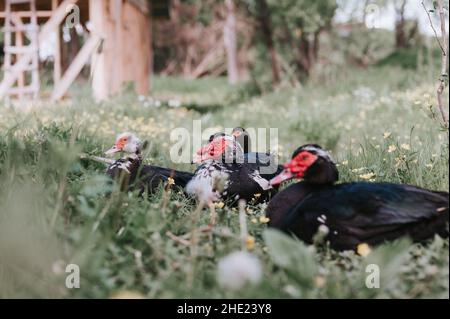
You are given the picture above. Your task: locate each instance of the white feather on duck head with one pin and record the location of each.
(126, 143)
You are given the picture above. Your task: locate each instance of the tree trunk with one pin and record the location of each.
(400, 33)
(266, 28)
(229, 36)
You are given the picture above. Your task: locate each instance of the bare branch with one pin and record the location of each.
(432, 27)
(444, 54)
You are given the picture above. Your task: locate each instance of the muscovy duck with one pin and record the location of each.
(354, 213)
(134, 174)
(266, 161)
(221, 158)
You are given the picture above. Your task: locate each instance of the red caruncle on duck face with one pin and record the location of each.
(125, 142)
(295, 168)
(213, 150)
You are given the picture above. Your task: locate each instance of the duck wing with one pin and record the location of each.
(370, 212)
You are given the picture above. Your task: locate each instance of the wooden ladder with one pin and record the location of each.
(27, 84)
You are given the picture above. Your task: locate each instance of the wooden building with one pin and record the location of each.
(117, 45)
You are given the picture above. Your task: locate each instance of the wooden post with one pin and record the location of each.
(137, 35)
(229, 37)
(117, 80)
(103, 66)
(19, 43)
(35, 84)
(7, 62)
(57, 69)
(97, 17)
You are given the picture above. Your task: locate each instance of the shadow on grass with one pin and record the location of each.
(204, 108)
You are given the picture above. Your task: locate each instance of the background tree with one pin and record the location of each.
(229, 35)
(405, 29)
(299, 25)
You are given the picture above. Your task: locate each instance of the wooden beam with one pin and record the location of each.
(55, 20)
(76, 66)
(19, 26)
(58, 16)
(57, 70)
(27, 14)
(100, 66)
(21, 78)
(118, 47)
(8, 42)
(137, 35)
(141, 5)
(35, 83)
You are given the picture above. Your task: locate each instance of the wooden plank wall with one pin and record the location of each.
(137, 36)
(125, 54)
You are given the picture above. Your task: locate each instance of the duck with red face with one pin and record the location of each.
(134, 174)
(223, 158)
(353, 213)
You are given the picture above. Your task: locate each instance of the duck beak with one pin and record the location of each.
(283, 176)
(202, 154)
(117, 147)
(112, 150)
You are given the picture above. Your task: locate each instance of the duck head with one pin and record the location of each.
(222, 148)
(215, 135)
(126, 143)
(242, 137)
(310, 162)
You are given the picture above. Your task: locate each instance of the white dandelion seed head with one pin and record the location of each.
(174, 103)
(238, 269)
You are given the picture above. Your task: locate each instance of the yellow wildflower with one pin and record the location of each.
(250, 242)
(127, 294)
(320, 281)
(367, 176)
(387, 134)
(219, 205)
(363, 249)
(264, 219)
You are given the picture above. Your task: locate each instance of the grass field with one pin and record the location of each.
(57, 209)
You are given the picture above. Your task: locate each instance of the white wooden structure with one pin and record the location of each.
(118, 46)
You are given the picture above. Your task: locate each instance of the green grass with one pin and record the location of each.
(56, 209)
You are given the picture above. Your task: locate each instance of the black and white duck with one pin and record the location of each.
(134, 174)
(222, 162)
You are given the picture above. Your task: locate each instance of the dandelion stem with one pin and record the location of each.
(194, 242)
(243, 224)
